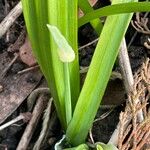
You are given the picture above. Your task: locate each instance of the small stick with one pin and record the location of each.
(132, 39)
(22, 116)
(18, 43)
(33, 96)
(90, 43)
(128, 82)
(135, 34)
(45, 125)
(28, 69)
(125, 66)
(10, 18)
(37, 112)
(6, 10)
(9, 65)
(140, 24)
(127, 73)
(104, 115)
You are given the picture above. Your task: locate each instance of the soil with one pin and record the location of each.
(14, 88)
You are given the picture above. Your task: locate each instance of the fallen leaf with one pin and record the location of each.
(26, 55)
(16, 88)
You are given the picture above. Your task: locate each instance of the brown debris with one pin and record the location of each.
(18, 43)
(15, 88)
(141, 24)
(26, 55)
(10, 18)
(37, 112)
(135, 136)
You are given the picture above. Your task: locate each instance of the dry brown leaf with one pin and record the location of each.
(16, 88)
(26, 55)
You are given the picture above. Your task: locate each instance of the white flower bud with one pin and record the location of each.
(65, 51)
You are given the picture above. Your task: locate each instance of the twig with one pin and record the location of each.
(45, 126)
(7, 9)
(136, 32)
(141, 24)
(127, 73)
(104, 115)
(9, 65)
(37, 112)
(33, 96)
(50, 126)
(125, 66)
(24, 116)
(10, 18)
(18, 43)
(132, 39)
(138, 28)
(88, 44)
(128, 82)
(28, 69)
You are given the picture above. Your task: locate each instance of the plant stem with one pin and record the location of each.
(68, 106)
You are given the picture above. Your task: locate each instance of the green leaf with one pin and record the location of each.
(66, 55)
(115, 9)
(63, 14)
(97, 76)
(36, 19)
(86, 7)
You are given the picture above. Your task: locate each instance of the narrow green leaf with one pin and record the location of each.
(86, 7)
(63, 14)
(66, 55)
(115, 9)
(97, 76)
(36, 19)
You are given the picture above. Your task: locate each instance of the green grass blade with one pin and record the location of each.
(68, 26)
(62, 14)
(97, 77)
(115, 9)
(35, 19)
(86, 7)
(66, 55)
